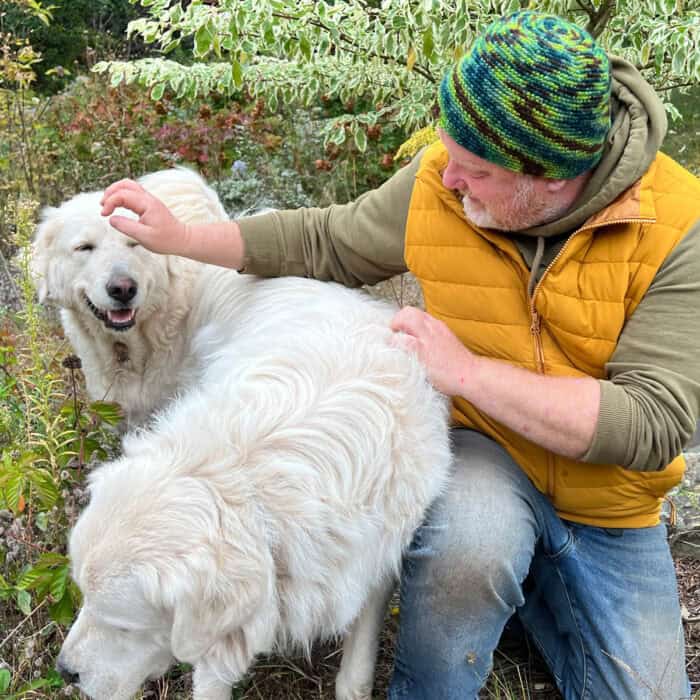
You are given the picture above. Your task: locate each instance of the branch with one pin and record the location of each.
(693, 83)
(599, 19)
(28, 617)
(353, 48)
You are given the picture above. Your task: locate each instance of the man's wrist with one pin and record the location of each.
(468, 376)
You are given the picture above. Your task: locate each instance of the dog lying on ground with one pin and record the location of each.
(267, 507)
(130, 315)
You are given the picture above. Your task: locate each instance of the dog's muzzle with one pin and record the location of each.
(116, 319)
(69, 676)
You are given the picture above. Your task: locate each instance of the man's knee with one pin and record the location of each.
(477, 540)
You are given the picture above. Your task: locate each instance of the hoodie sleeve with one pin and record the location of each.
(651, 400)
(358, 243)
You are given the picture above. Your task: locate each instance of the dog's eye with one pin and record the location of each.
(133, 244)
(85, 246)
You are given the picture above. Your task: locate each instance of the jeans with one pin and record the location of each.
(600, 604)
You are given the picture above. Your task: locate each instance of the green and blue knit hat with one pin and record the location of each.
(532, 95)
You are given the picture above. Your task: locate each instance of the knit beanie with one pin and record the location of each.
(531, 95)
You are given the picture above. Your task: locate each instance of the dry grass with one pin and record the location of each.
(30, 645)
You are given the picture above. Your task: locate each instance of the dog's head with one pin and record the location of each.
(167, 571)
(81, 263)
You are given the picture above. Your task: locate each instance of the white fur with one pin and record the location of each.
(176, 297)
(268, 507)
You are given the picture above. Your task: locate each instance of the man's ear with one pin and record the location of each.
(51, 224)
(227, 608)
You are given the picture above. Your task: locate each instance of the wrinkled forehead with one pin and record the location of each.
(82, 219)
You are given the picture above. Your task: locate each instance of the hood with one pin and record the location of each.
(638, 128)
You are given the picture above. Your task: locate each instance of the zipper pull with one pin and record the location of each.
(537, 338)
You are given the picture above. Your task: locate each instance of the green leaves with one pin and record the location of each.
(49, 579)
(5, 679)
(360, 137)
(157, 91)
(108, 411)
(428, 44)
(44, 487)
(14, 484)
(51, 680)
(24, 602)
(203, 38)
(393, 53)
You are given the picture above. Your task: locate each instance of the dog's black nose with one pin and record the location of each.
(122, 288)
(70, 677)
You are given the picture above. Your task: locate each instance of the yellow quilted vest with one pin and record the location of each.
(476, 281)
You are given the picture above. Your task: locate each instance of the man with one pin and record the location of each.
(558, 255)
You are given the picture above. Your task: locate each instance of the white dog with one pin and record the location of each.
(269, 506)
(131, 315)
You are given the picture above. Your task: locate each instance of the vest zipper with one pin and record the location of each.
(535, 325)
(537, 339)
(568, 240)
(536, 321)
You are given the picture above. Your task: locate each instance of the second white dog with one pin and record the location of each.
(266, 508)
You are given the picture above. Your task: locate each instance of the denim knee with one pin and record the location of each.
(462, 576)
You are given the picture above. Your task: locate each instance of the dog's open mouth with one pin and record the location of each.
(116, 319)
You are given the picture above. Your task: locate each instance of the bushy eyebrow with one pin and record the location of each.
(473, 170)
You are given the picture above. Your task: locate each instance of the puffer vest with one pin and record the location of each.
(476, 282)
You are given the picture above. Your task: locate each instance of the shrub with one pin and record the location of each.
(48, 436)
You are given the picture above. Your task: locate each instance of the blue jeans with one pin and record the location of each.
(600, 604)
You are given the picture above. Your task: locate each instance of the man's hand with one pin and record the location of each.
(558, 413)
(156, 229)
(448, 362)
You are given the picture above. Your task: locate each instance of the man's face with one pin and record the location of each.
(494, 197)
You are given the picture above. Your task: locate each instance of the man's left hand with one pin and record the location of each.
(447, 361)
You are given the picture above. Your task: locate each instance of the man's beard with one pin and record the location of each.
(522, 210)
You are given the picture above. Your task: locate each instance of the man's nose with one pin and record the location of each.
(452, 180)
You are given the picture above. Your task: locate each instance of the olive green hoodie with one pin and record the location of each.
(651, 398)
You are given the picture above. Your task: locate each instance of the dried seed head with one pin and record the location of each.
(72, 362)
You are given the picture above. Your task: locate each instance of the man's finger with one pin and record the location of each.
(121, 184)
(407, 319)
(129, 227)
(404, 342)
(135, 200)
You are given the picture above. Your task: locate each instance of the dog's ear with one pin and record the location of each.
(51, 224)
(228, 609)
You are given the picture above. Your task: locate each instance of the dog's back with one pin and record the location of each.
(337, 433)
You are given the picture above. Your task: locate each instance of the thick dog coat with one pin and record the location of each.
(269, 506)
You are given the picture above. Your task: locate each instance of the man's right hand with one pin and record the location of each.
(156, 228)
(217, 243)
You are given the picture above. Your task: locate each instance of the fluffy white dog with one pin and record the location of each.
(269, 506)
(132, 315)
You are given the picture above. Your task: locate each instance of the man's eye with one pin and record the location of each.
(85, 246)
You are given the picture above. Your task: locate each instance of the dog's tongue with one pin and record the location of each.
(121, 315)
